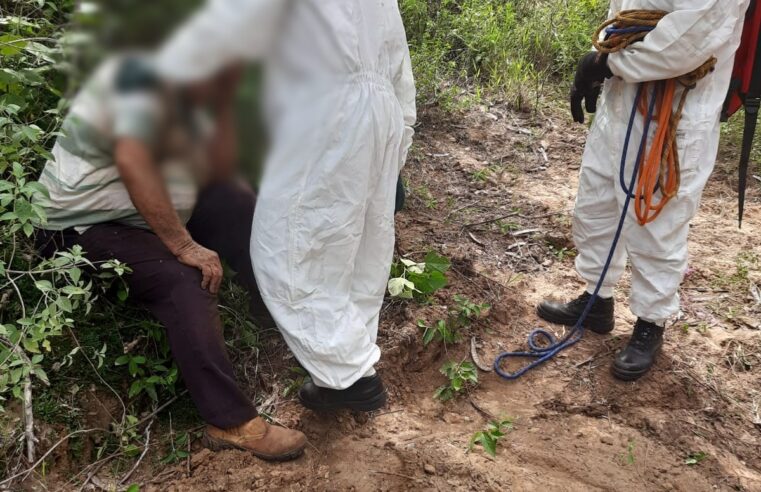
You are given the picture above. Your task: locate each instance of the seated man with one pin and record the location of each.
(124, 185)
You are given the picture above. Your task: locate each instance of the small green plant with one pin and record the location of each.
(467, 310)
(448, 331)
(506, 228)
(461, 375)
(428, 199)
(298, 377)
(413, 280)
(178, 449)
(695, 458)
(150, 372)
(490, 436)
(440, 331)
(628, 457)
(481, 175)
(562, 253)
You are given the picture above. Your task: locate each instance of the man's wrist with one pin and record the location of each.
(180, 244)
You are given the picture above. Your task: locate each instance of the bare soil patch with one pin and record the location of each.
(493, 191)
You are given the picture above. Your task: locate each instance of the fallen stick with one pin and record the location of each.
(475, 239)
(395, 474)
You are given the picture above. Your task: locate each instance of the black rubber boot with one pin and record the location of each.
(599, 320)
(366, 395)
(634, 360)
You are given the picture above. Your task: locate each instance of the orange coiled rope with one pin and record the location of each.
(659, 169)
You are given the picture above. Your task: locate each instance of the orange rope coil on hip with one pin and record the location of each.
(659, 169)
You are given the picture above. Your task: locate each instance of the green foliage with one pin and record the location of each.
(178, 449)
(695, 458)
(298, 377)
(449, 331)
(514, 47)
(411, 280)
(488, 438)
(628, 457)
(461, 376)
(48, 298)
(562, 253)
(467, 310)
(440, 331)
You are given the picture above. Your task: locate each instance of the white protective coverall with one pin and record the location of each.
(690, 34)
(340, 102)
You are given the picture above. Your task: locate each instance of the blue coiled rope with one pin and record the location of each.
(544, 353)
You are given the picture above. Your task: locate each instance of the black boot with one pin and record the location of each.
(599, 320)
(634, 360)
(366, 395)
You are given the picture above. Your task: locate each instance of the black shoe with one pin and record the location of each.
(366, 395)
(599, 320)
(634, 360)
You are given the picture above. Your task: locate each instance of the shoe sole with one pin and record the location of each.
(626, 375)
(629, 375)
(215, 445)
(375, 403)
(551, 318)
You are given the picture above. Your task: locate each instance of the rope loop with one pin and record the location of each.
(660, 170)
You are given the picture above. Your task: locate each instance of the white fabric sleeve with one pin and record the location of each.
(404, 87)
(220, 33)
(681, 42)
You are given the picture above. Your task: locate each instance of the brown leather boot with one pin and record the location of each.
(265, 441)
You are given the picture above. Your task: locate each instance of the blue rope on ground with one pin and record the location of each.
(540, 353)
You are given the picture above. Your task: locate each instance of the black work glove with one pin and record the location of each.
(590, 74)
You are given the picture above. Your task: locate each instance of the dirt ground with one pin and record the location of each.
(575, 426)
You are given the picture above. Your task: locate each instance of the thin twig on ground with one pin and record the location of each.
(37, 463)
(142, 455)
(395, 475)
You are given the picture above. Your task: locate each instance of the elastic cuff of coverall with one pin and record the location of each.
(370, 372)
(659, 322)
(606, 292)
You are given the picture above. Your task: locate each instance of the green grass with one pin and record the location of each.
(464, 49)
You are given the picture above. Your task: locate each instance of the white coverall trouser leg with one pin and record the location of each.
(691, 33)
(657, 251)
(323, 233)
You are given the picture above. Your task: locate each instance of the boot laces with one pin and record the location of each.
(582, 300)
(644, 335)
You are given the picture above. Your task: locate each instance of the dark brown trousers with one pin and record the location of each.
(172, 291)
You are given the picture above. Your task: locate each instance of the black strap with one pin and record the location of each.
(752, 102)
(751, 118)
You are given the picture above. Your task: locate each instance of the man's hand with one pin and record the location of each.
(206, 260)
(590, 74)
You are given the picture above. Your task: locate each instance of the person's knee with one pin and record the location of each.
(172, 277)
(232, 195)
